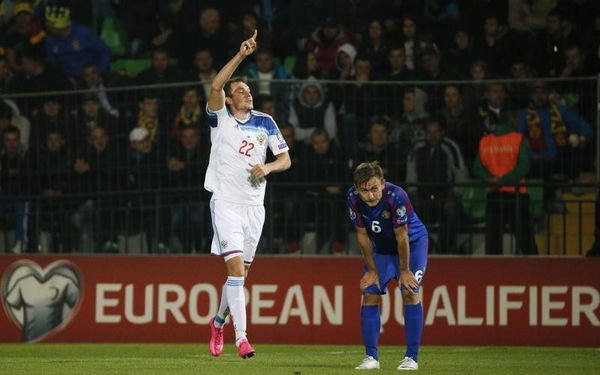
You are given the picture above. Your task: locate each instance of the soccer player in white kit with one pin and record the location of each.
(236, 175)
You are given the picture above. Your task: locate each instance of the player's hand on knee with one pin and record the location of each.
(407, 278)
(368, 279)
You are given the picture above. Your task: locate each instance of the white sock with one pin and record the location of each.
(239, 335)
(237, 302)
(223, 309)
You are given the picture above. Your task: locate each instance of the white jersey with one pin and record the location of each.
(236, 145)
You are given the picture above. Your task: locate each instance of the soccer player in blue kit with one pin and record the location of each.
(393, 242)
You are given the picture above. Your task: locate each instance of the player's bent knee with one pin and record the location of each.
(371, 299)
(235, 265)
(410, 299)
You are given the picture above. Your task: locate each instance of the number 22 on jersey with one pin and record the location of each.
(246, 148)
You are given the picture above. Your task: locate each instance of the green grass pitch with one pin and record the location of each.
(133, 359)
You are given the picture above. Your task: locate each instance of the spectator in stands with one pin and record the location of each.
(51, 117)
(414, 41)
(458, 123)
(151, 118)
(211, 34)
(172, 29)
(14, 187)
(550, 44)
(344, 62)
(186, 164)
(52, 169)
(409, 127)
(38, 77)
(495, 46)
(436, 164)
(10, 115)
(94, 80)
(267, 104)
(576, 94)
(432, 70)
(375, 47)
(503, 162)
(397, 70)
(493, 105)
(24, 33)
(203, 70)
(7, 77)
(441, 17)
(474, 91)
(94, 167)
(379, 148)
(72, 46)
(460, 55)
(325, 164)
(519, 91)
(91, 115)
(311, 110)
(160, 71)
(263, 74)
(191, 114)
(144, 169)
(556, 136)
(325, 41)
(307, 66)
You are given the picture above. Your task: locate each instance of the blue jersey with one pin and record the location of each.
(393, 211)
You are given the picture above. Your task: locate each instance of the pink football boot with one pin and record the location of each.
(216, 339)
(245, 350)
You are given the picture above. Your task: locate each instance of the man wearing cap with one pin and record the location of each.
(25, 32)
(143, 170)
(72, 46)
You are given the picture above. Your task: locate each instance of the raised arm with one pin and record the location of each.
(216, 99)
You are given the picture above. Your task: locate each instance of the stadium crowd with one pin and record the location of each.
(125, 146)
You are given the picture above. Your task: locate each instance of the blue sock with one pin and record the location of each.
(413, 325)
(370, 324)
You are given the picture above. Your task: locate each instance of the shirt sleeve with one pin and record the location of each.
(355, 217)
(276, 142)
(212, 116)
(400, 206)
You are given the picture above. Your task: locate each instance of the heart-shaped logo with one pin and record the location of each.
(41, 300)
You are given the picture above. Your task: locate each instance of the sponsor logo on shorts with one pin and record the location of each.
(224, 244)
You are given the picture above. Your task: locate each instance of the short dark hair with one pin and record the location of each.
(227, 87)
(10, 129)
(365, 171)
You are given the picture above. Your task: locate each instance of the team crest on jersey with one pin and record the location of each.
(261, 138)
(224, 244)
(352, 214)
(401, 211)
(76, 45)
(385, 214)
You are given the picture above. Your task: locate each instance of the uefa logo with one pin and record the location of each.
(41, 301)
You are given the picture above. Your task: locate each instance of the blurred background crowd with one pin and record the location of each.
(464, 102)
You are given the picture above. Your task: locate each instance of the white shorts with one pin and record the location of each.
(237, 229)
